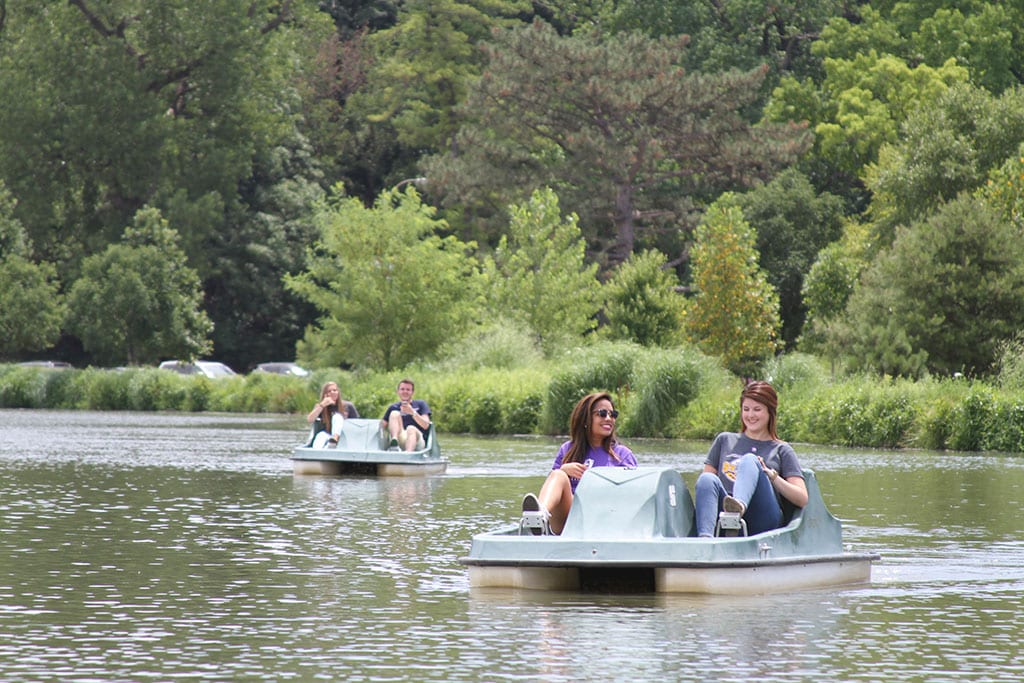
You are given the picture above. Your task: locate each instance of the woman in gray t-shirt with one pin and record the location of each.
(750, 472)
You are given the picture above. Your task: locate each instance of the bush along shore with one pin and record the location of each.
(669, 393)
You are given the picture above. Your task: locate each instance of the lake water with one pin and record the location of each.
(159, 547)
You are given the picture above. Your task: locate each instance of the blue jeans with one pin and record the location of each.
(751, 488)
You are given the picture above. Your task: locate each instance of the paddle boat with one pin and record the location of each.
(633, 530)
(363, 449)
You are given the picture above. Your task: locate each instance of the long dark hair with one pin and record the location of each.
(579, 427)
(327, 414)
(763, 393)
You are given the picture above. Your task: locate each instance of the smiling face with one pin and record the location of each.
(331, 391)
(601, 427)
(405, 391)
(755, 419)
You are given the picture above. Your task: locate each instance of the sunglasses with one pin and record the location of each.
(604, 412)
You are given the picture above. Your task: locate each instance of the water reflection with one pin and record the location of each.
(141, 546)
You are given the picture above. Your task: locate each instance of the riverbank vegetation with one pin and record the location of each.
(672, 393)
(515, 202)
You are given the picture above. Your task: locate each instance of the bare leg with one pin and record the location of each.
(556, 497)
(395, 424)
(412, 438)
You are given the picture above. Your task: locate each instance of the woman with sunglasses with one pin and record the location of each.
(751, 472)
(592, 444)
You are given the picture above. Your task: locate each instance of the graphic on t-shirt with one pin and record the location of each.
(729, 469)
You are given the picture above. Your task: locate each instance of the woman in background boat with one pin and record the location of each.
(327, 417)
(751, 472)
(592, 444)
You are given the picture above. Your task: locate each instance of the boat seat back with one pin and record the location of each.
(360, 434)
(643, 502)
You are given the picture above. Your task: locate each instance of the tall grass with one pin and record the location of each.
(675, 393)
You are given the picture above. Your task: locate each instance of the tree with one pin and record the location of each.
(947, 147)
(539, 274)
(614, 124)
(391, 290)
(138, 302)
(829, 283)
(729, 35)
(793, 223)
(735, 311)
(31, 307)
(941, 299)
(183, 106)
(641, 303)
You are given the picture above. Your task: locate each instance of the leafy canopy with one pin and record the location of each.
(539, 274)
(137, 302)
(641, 302)
(941, 299)
(391, 290)
(735, 312)
(615, 125)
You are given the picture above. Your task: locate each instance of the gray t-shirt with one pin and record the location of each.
(728, 447)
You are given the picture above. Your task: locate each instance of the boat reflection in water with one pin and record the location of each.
(633, 530)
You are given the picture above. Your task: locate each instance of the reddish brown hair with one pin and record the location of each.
(763, 393)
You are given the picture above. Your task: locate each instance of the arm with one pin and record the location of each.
(793, 489)
(317, 409)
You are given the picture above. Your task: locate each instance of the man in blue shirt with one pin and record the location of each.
(407, 420)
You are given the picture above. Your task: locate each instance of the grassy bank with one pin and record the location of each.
(660, 393)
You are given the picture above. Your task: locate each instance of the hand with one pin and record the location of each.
(326, 402)
(574, 469)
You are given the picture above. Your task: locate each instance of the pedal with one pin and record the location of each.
(535, 522)
(730, 524)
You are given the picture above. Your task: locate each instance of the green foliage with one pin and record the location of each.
(941, 299)
(830, 282)
(970, 421)
(499, 344)
(945, 149)
(615, 124)
(539, 274)
(138, 301)
(391, 290)
(641, 304)
(793, 223)
(13, 238)
(860, 412)
(22, 387)
(1004, 189)
(795, 370)
(602, 367)
(31, 306)
(1009, 371)
(664, 381)
(427, 61)
(734, 314)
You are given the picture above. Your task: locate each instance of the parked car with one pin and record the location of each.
(282, 369)
(55, 364)
(209, 368)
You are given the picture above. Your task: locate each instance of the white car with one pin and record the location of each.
(282, 369)
(208, 368)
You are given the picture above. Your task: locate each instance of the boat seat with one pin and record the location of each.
(615, 502)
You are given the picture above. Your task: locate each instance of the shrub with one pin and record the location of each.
(970, 420)
(23, 387)
(106, 390)
(665, 381)
(602, 367)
